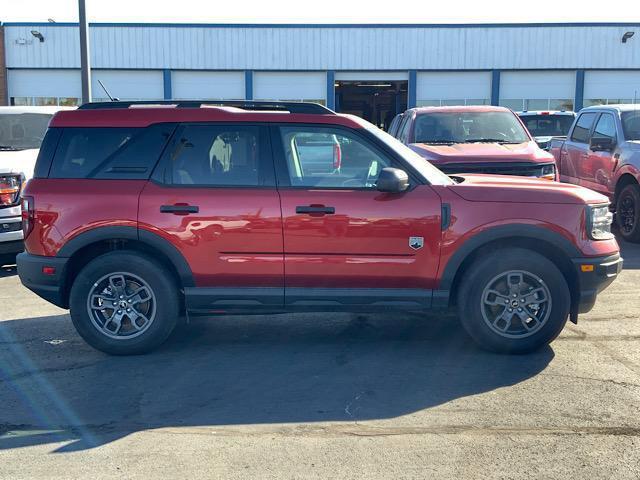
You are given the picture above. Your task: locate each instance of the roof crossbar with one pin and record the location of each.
(256, 105)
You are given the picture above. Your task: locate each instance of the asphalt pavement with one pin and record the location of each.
(321, 396)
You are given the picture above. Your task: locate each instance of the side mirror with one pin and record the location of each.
(602, 144)
(392, 180)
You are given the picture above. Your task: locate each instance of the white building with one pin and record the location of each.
(371, 70)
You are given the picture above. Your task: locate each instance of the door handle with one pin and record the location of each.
(316, 209)
(179, 209)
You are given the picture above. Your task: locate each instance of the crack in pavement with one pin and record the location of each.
(359, 430)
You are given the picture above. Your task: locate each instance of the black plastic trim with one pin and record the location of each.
(374, 298)
(503, 232)
(590, 284)
(211, 299)
(445, 220)
(48, 287)
(132, 233)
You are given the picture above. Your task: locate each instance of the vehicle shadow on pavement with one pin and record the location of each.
(8, 271)
(279, 369)
(630, 253)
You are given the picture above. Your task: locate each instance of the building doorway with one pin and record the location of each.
(374, 100)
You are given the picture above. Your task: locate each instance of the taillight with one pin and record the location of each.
(337, 156)
(10, 190)
(28, 216)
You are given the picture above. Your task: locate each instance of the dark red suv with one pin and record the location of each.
(140, 213)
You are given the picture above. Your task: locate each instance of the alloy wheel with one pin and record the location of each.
(121, 305)
(516, 304)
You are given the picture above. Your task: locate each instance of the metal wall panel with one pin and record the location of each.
(615, 86)
(290, 86)
(453, 86)
(326, 48)
(208, 85)
(550, 84)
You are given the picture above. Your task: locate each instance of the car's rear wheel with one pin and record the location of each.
(628, 213)
(124, 303)
(513, 301)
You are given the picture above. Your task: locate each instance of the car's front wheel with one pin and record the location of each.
(514, 301)
(628, 213)
(124, 303)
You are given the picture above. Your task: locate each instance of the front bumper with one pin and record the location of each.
(594, 275)
(49, 287)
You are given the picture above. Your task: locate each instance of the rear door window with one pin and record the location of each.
(583, 126)
(109, 153)
(221, 155)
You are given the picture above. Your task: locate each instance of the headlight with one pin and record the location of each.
(548, 172)
(599, 220)
(10, 189)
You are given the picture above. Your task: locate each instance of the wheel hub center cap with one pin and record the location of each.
(123, 304)
(514, 303)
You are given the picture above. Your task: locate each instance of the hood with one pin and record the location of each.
(481, 152)
(22, 161)
(509, 189)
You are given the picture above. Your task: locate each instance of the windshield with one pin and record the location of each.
(23, 130)
(428, 171)
(548, 125)
(631, 125)
(468, 127)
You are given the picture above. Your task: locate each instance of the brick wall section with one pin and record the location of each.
(4, 100)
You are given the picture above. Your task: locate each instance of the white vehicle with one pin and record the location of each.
(543, 126)
(21, 132)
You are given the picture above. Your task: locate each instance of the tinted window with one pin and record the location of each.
(548, 125)
(631, 125)
(117, 153)
(583, 127)
(220, 155)
(468, 127)
(359, 164)
(606, 126)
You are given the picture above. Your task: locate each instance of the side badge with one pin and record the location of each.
(416, 242)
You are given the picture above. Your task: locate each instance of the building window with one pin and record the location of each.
(45, 101)
(447, 102)
(519, 104)
(307, 100)
(588, 102)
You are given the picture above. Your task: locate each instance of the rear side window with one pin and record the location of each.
(221, 155)
(583, 126)
(109, 153)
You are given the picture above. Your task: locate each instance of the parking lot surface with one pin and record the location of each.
(321, 396)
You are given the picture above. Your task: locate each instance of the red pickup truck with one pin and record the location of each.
(137, 215)
(474, 139)
(602, 152)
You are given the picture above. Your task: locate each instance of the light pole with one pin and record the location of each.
(85, 67)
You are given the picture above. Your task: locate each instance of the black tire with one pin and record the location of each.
(628, 213)
(163, 293)
(475, 286)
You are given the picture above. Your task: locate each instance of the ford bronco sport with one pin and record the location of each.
(140, 213)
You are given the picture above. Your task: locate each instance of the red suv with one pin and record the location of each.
(140, 213)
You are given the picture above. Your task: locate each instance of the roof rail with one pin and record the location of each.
(258, 105)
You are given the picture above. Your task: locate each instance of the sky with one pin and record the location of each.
(323, 11)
